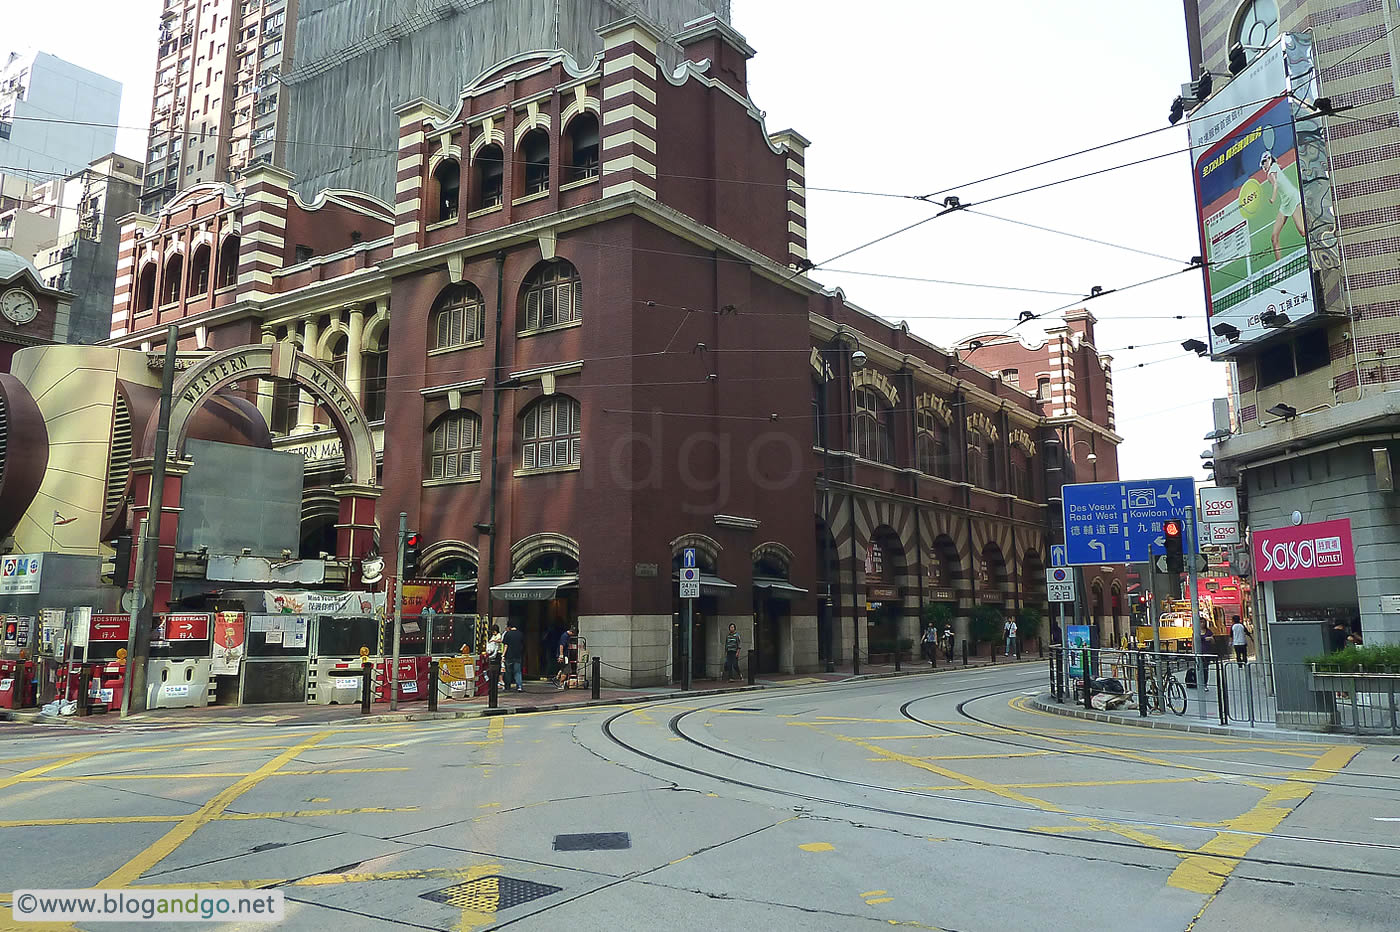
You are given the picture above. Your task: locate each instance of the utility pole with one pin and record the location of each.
(131, 625)
(398, 614)
(143, 593)
(1192, 553)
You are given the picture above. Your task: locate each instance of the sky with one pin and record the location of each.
(911, 97)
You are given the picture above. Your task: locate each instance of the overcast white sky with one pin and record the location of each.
(911, 97)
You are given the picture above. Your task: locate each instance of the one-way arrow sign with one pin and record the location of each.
(1200, 558)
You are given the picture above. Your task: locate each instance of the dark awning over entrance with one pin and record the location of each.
(778, 588)
(534, 589)
(710, 585)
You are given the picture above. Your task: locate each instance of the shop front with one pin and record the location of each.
(543, 603)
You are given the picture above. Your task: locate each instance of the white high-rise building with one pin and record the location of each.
(55, 117)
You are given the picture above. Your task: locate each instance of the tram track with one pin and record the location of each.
(1323, 780)
(674, 726)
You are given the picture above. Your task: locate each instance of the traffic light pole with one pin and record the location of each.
(1192, 551)
(398, 614)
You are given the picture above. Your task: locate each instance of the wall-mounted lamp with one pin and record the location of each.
(1287, 412)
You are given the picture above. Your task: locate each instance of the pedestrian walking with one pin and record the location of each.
(1239, 638)
(949, 641)
(494, 650)
(1009, 630)
(565, 641)
(931, 645)
(513, 642)
(731, 654)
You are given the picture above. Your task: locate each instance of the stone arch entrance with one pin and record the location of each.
(354, 532)
(1033, 596)
(886, 590)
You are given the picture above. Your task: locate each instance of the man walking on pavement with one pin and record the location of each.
(931, 644)
(1239, 638)
(514, 643)
(1009, 629)
(731, 654)
(949, 641)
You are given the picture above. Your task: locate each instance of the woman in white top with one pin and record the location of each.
(1286, 196)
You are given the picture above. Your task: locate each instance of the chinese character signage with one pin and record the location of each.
(1308, 551)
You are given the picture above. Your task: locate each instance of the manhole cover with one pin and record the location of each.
(490, 894)
(593, 841)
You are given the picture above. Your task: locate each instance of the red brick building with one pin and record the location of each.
(581, 339)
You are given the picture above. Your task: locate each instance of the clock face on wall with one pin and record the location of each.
(18, 307)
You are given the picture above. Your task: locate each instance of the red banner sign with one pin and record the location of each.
(109, 628)
(1308, 551)
(186, 627)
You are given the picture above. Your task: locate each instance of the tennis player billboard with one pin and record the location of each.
(1250, 202)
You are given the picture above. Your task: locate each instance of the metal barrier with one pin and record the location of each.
(1154, 684)
(1297, 696)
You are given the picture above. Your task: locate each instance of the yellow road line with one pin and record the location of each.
(972, 782)
(202, 776)
(474, 919)
(164, 846)
(223, 817)
(40, 771)
(1206, 871)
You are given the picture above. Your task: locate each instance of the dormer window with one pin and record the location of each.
(490, 177)
(535, 153)
(448, 177)
(585, 145)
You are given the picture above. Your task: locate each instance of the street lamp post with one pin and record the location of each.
(856, 359)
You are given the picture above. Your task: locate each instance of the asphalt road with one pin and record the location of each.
(924, 802)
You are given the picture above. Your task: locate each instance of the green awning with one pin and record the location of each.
(534, 588)
(776, 588)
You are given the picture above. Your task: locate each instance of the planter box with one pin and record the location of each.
(1362, 682)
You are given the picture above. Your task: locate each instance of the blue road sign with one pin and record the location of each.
(1057, 555)
(1121, 522)
(688, 558)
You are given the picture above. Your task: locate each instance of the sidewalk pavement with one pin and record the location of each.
(538, 697)
(1193, 723)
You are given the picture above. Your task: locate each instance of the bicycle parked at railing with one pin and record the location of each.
(1164, 690)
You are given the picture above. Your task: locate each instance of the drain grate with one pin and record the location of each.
(490, 894)
(593, 841)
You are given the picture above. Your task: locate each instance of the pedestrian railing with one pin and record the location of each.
(1162, 684)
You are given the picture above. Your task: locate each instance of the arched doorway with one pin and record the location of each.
(829, 599)
(705, 636)
(993, 590)
(944, 585)
(1034, 599)
(542, 596)
(455, 560)
(773, 594)
(886, 572)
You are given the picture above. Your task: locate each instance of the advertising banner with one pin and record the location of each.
(1308, 551)
(228, 643)
(337, 604)
(1077, 637)
(437, 594)
(1263, 195)
(20, 573)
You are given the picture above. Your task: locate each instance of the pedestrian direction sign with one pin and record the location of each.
(1121, 522)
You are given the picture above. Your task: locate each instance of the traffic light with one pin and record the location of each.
(121, 568)
(1177, 112)
(1171, 530)
(410, 555)
(1140, 605)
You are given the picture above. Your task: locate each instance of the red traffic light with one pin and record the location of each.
(411, 540)
(1172, 528)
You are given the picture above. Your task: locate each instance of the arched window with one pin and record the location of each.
(228, 263)
(376, 378)
(584, 145)
(448, 176)
(1258, 24)
(1021, 484)
(146, 289)
(174, 272)
(199, 271)
(552, 295)
(490, 177)
(458, 317)
(931, 444)
(534, 153)
(976, 460)
(456, 447)
(339, 352)
(874, 436)
(551, 434)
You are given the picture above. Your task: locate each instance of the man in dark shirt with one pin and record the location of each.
(514, 643)
(731, 654)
